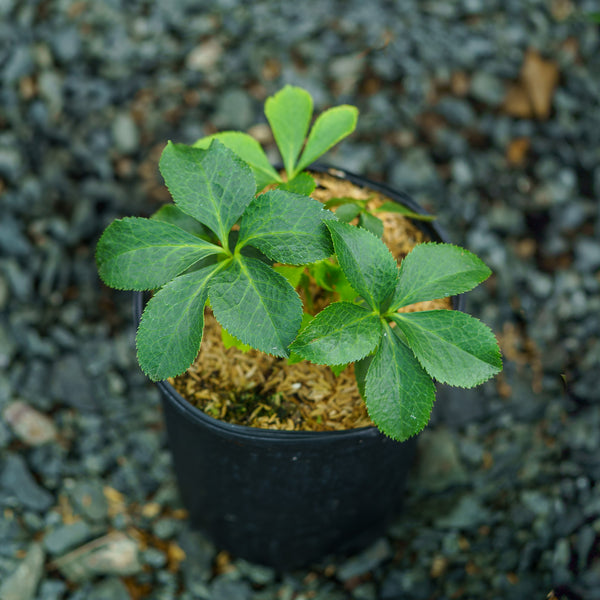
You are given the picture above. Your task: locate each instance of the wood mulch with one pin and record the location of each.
(259, 390)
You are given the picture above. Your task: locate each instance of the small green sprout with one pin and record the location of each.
(289, 113)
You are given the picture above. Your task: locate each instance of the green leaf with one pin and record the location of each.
(169, 213)
(431, 271)
(256, 305)
(230, 341)
(296, 358)
(366, 261)
(396, 207)
(129, 246)
(337, 370)
(289, 112)
(452, 346)
(346, 212)
(399, 393)
(170, 331)
(330, 127)
(371, 223)
(303, 184)
(288, 228)
(291, 273)
(214, 186)
(345, 200)
(330, 277)
(361, 368)
(341, 333)
(249, 150)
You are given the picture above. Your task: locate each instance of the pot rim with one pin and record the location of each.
(277, 435)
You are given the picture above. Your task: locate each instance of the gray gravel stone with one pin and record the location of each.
(52, 589)
(89, 500)
(125, 133)
(235, 111)
(415, 172)
(440, 466)
(8, 347)
(71, 385)
(487, 88)
(110, 589)
(224, 588)
(587, 254)
(66, 537)
(469, 513)
(23, 583)
(366, 561)
(16, 479)
(197, 566)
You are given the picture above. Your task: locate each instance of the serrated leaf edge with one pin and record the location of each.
(498, 355)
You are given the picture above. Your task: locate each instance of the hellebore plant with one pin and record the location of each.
(244, 253)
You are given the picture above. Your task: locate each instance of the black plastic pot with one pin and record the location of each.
(287, 498)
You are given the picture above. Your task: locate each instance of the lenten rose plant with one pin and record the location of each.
(244, 253)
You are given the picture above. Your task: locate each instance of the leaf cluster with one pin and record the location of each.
(397, 355)
(191, 253)
(289, 113)
(246, 254)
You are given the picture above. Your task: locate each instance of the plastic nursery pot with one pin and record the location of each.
(287, 498)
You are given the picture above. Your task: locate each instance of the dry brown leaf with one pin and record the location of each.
(516, 102)
(539, 77)
(532, 95)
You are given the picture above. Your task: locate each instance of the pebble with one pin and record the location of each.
(224, 588)
(29, 425)
(468, 514)
(23, 583)
(66, 47)
(66, 537)
(487, 88)
(125, 133)
(197, 566)
(113, 554)
(154, 558)
(8, 347)
(366, 561)
(414, 172)
(235, 111)
(71, 385)
(11, 164)
(12, 240)
(89, 500)
(16, 478)
(440, 467)
(205, 56)
(52, 589)
(110, 589)
(166, 528)
(587, 255)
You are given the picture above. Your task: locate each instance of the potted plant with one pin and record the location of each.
(288, 497)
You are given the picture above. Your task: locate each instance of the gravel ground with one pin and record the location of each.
(486, 111)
